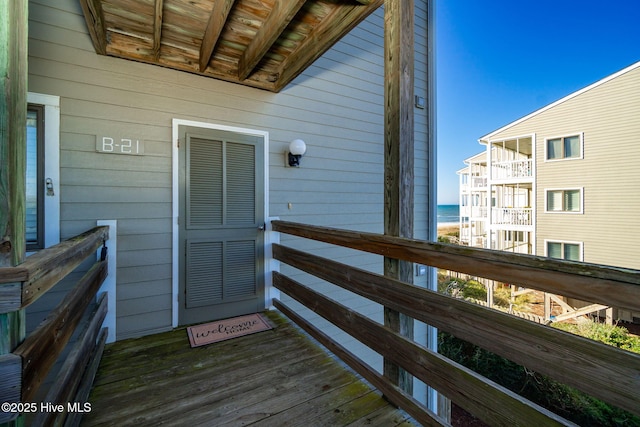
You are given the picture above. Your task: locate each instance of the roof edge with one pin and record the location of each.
(482, 140)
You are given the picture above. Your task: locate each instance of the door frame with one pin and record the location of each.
(264, 135)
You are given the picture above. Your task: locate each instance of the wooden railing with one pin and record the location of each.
(602, 371)
(23, 370)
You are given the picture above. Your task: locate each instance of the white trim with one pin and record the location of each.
(561, 100)
(563, 212)
(563, 159)
(51, 105)
(563, 242)
(176, 123)
(534, 191)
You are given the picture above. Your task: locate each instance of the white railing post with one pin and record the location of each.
(271, 237)
(109, 284)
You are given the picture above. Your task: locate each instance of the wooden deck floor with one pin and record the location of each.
(271, 378)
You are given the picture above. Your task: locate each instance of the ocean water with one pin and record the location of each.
(448, 213)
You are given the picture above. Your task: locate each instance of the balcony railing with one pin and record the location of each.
(26, 367)
(602, 371)
(512, 169)
(512, 216)
(479, 182)
(478, 212)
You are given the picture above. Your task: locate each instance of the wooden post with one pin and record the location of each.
(13, 111)
(398, 157)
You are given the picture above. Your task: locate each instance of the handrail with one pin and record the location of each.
(24, 369)
(499, 405)
(603, 371)
(42, 270)
(560, 277)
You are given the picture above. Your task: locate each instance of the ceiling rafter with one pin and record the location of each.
(217, 19)
(258, 43)
(280, 16)
(92, 10)
(332, 29)
(157, 28)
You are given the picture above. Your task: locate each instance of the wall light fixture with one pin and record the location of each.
(297, 148)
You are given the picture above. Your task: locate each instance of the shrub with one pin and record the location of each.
(614, 335)
(558, 398)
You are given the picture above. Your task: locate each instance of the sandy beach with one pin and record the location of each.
(447, 228)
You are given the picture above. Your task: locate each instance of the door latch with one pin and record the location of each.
(49, 186)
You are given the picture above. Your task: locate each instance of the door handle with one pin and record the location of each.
(263, 227)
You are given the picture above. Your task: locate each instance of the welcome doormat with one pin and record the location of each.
(221, 330)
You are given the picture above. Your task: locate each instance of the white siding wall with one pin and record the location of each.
(336, 106)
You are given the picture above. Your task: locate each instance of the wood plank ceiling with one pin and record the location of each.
(259, 43)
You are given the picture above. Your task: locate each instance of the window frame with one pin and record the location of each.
(51, 105)
(546, 200)
(39, 242)
(563, 243)
(580, 135)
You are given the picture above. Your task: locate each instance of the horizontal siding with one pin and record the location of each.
(607, 115)
(336, 106)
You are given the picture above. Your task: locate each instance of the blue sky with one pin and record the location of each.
(499, 60)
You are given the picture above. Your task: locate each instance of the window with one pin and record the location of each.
(566, 147)
(43, 171)
(564, 200)
(564, 250)
(513, 236)
(35, 178)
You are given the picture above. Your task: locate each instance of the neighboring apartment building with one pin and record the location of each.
(562, 181)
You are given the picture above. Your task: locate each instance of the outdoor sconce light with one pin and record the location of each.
(297, 148)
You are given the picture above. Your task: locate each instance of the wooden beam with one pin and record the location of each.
(603, 371)
(13, 137)
(48, 266)
(398, 155)
(64, 387)
(10, 383)
(492, 403)
(280, 16)
(10, 297)
(393, 393)
(94, 17)
(217, 19)
(157, 28)
(591, 282)
(40, 350)
(580, 312)
(86, 383)
(342, 20)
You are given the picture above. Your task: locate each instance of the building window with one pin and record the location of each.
(43, 171)
(513, 236)
(35, 178)
(564, 250)
(566, 147)
(564, 201)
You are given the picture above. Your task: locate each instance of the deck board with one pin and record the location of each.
(272, 378)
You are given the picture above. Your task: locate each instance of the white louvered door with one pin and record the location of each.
(221, 216)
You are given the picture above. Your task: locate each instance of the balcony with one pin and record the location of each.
(512, 170)
(604, 372)
(479, 212)
(521, 217)
(479, 182)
